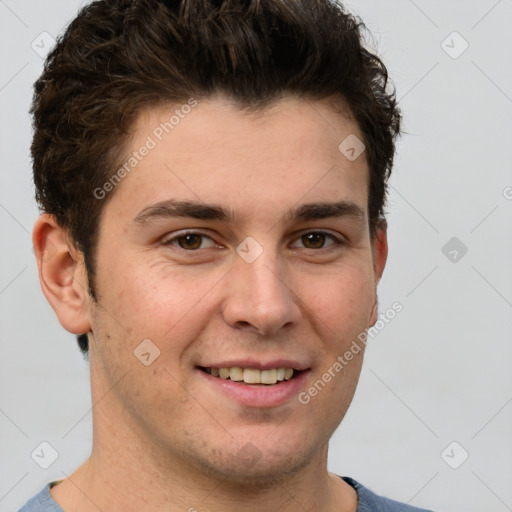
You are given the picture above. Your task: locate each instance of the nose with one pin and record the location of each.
(259, 298)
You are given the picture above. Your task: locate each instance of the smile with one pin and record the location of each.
(270, 376)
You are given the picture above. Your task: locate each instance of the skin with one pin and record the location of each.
(163, 428)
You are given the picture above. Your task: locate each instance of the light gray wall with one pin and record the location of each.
(438, 373)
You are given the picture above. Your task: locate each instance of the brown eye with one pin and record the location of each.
(318, 240)
(190, 241)
(313, 240)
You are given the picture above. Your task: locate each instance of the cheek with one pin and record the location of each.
(341, 301)
(168, 305)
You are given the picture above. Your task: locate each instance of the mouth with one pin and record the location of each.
(253, 376)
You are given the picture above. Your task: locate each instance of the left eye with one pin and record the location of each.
(317, 239)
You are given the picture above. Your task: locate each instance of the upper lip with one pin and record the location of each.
(260, 365)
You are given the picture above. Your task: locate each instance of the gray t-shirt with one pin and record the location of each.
(368, 501)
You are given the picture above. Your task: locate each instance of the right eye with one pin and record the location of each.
(189, 240)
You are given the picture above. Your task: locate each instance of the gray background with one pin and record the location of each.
(438, 373)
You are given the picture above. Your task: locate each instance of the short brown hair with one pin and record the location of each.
(118, 57)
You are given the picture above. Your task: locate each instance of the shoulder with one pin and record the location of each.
(42, 502)
(368, 501)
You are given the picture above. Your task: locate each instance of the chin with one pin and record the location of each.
(260, 462)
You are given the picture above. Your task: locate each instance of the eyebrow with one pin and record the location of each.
(202, 211)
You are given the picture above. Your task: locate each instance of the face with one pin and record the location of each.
(238, 245)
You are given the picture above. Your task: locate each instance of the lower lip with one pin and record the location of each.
(250, 395)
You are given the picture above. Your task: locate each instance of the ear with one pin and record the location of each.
(380, 256)
(62, 274)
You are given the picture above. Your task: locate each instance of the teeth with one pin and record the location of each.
(269, 376)
(253, 375)
(236, 374)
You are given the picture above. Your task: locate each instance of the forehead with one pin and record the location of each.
(210, 150)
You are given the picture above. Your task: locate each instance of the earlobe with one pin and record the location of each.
(62, 274)
(380, 256)
(380, 250)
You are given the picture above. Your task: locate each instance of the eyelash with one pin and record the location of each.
(336, 241)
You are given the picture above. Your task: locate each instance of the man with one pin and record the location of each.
(212, 176)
